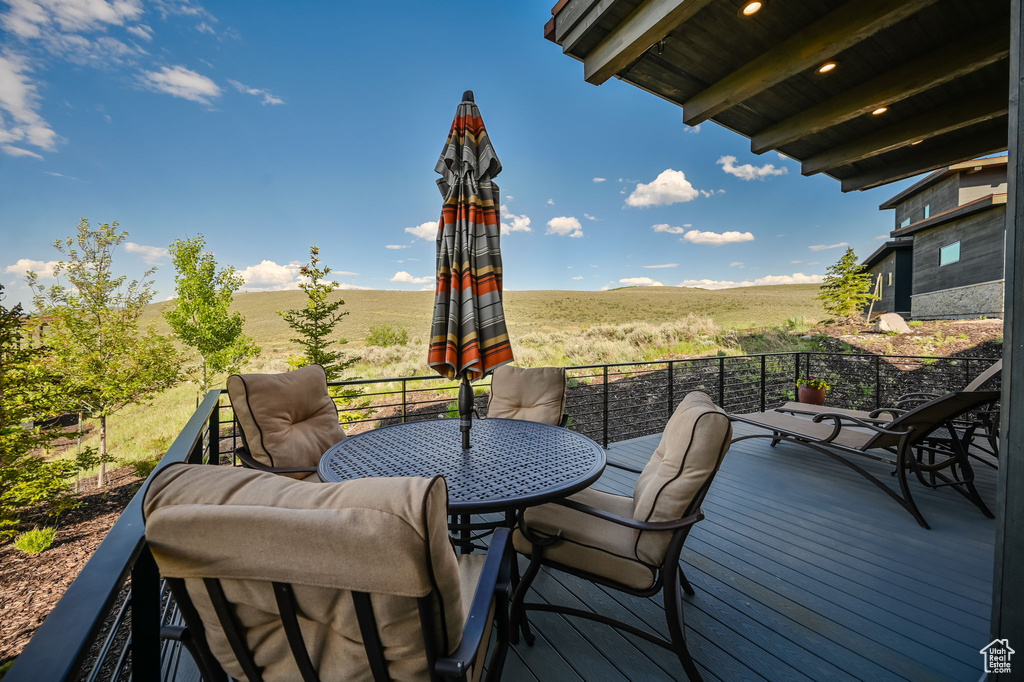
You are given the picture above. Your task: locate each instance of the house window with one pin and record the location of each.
(927, 211)
(890, 279)
(905, 222)
(950, 253)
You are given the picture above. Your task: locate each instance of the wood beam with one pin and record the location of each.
(649, 23)
(952, 117)
(825, 38)
(930, 159)
(960, 58)
(595, 13)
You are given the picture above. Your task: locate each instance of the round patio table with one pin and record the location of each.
(511, 465)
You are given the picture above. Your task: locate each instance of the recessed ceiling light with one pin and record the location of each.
(879, 110)
(827, 66)
(916, 142)
(751, 8)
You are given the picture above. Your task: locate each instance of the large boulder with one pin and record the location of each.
(891, 322)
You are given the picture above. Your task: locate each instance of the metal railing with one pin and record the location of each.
(107, 625)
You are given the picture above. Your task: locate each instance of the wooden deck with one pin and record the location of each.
(803, 571)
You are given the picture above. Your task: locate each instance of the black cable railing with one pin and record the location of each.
(107, 625)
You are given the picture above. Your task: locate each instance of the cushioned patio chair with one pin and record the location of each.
(536, 394)
(986, 416)
(928, 427)
(288, 420)
(633, 543)
(280, 580)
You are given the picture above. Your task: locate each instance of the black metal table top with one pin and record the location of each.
(511, 464)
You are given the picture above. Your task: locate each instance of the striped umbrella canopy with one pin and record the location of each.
(468, 337)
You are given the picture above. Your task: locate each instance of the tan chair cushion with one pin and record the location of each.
(588, 543)
(387, 537)
(289, 419)
(536, 394)
(692, 447)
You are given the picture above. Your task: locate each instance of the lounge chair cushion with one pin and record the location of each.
(691, 449)
(536, 394)
(588, 543)
(289, 419)
(387, 537)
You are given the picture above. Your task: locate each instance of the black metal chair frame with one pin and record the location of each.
(670, 576)
(493, 586)
(952, 449)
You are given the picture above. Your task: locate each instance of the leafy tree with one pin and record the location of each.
(315, 323)
(94, 337)
(201, 315)
(30, 394)
(847, 287)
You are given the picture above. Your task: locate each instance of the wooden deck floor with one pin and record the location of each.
(803, 571)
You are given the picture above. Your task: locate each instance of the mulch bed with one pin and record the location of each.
(976, 338)
(30, 586)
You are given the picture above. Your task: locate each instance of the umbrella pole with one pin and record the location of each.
(465, 411)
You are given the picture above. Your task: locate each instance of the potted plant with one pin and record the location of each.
(811, 390)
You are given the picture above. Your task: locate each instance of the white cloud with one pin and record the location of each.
(795, 278)
(427, 230)
(268, 98)
(663, 265)
(517, 223)
(20, 121)
(795, 262)
(42, 268)
(181, 82)
(693, 130)
(600, 179)
(670, 187)
(749, 171)
(717, 238)
(665, 227)
(882, 236)
(405, 278)
(509, 197)
(141, 31)
(204, 27)
(32, 18)
(578, 277)
(565, 226)
(397, 246)
(270, 276)
(589, 217)
(60, 175)
(736, 264)
(18, 151)
(640, 282)
(150, 254)
(551, 202)
(822, 247)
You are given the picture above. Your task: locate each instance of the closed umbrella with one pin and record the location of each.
(468, 337)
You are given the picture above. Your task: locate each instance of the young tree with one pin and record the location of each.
(315, 322)
(847, 288)
(201, 316)
(94, 338)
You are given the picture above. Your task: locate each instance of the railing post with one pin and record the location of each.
(796, 374)
(671, 389)
(721, 382)
(215, 435)
(878, 382)
(764, 359)
(404, 405)
(145, 596)
(605, 398)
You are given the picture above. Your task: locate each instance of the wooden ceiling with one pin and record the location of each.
(940, 67)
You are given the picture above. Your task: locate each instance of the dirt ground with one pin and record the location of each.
(939, 338)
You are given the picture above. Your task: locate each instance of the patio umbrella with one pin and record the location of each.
(468, 338)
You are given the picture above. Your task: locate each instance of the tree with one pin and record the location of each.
(30, 394)
(315, 322)
(94, 338)
(201, 316)
(846, 288)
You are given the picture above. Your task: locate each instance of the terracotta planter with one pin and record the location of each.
(811, 396)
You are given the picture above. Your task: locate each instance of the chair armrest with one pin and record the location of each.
(632, 523)
(624, 467)
(839, 419)
(564, 421)
(248, 460)
(895, 412)
(493, 579)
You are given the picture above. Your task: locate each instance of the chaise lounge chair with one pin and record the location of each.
(928, 427)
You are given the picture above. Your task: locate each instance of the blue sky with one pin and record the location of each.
(268, 126)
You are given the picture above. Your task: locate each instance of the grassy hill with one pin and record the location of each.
(534, 311)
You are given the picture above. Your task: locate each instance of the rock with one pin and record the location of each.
(891, 322)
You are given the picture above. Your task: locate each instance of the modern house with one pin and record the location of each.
(945, 258)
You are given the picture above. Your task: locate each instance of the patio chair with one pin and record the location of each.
(986, 416)
(633, 543)
(928, 427)
(536, 394)
(288, 420)
(279, 580)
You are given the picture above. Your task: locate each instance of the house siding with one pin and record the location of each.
(942, 196)
(981, 238)
(895, 298)
(987, 181)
